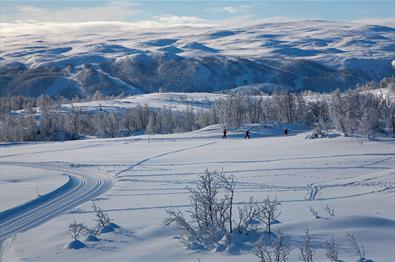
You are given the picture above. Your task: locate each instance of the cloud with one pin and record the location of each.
(113, 11)
(230, 9)
(376, 21)
(172, 20)
(63, 28)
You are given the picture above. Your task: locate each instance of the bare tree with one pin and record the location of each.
(306, 250)
(248, 212)
(176, 217)
(210, 212)
(102, 219)
(75, 229)
(314, 212)
(332, 249)
(269, 212)
(357, 248)
(281, 249)
(263, 252)
(278, 253)
(229, 184)
(330, 210)
(338, 112)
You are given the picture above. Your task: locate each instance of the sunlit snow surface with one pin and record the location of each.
(354, 176)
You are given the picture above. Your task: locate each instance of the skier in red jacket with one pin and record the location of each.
(224, 132)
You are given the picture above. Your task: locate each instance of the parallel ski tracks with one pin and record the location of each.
(79, 189)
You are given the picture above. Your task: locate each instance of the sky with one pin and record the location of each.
(197, 12)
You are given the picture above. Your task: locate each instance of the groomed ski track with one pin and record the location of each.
(80, 187)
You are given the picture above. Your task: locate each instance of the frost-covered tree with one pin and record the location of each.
(306, 250)
(278, 252)
(337, 111)
(210, 209)
(75, 229)
(269, 212)
(102, 219)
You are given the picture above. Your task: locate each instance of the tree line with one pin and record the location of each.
(354, 112)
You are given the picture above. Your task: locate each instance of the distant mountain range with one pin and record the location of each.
(313, 55)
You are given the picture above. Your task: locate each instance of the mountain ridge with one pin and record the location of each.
(304, 55)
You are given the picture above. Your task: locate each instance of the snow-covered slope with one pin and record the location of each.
(174, 101)
(353, 176)
(315, 55)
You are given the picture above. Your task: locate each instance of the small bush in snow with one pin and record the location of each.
(317, 133)
(357, 248)
(248, 213)
(269, 212)
(277, 253)
(306, 250)
(102, 219)
(314, 212)
(211, 215)
(330, 211)
(75, 229)
(332, 249)
(211, 212)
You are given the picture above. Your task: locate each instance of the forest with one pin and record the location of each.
(357, 111)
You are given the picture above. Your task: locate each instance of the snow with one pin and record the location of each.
(175, 101)
(20, 184)
(353, 176)
(75, 244)
(209, 56)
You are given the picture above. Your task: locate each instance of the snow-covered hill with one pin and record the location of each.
(316, 55)
(174, 101)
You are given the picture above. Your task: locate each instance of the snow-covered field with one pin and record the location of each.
(151, 173)
(174, 101)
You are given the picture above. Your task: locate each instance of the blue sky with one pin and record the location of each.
(197, 11)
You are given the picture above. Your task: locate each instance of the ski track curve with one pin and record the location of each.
(80, 188)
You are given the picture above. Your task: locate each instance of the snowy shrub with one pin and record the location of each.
(249, 212)
(356, 247)
(75, 229)
(317, 133)
(211, 211)
(269, 212)
(102, 220)
(306, 250)
(330, 210)
(278, 252)
(211, 220)
(332, 250)
(314, 212)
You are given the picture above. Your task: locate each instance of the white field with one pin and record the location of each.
(174, 101)
(354, 176)
(21, 184)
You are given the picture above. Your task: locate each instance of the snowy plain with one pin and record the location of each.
(354, 176)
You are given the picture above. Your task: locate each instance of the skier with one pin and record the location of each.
(247, 136)
(286, 131)
(225, 131)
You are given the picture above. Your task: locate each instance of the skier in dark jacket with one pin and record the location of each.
(286, 131)
(247, 136)
(224, 132)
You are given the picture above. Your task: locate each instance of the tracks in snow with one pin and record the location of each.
(81, 187)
